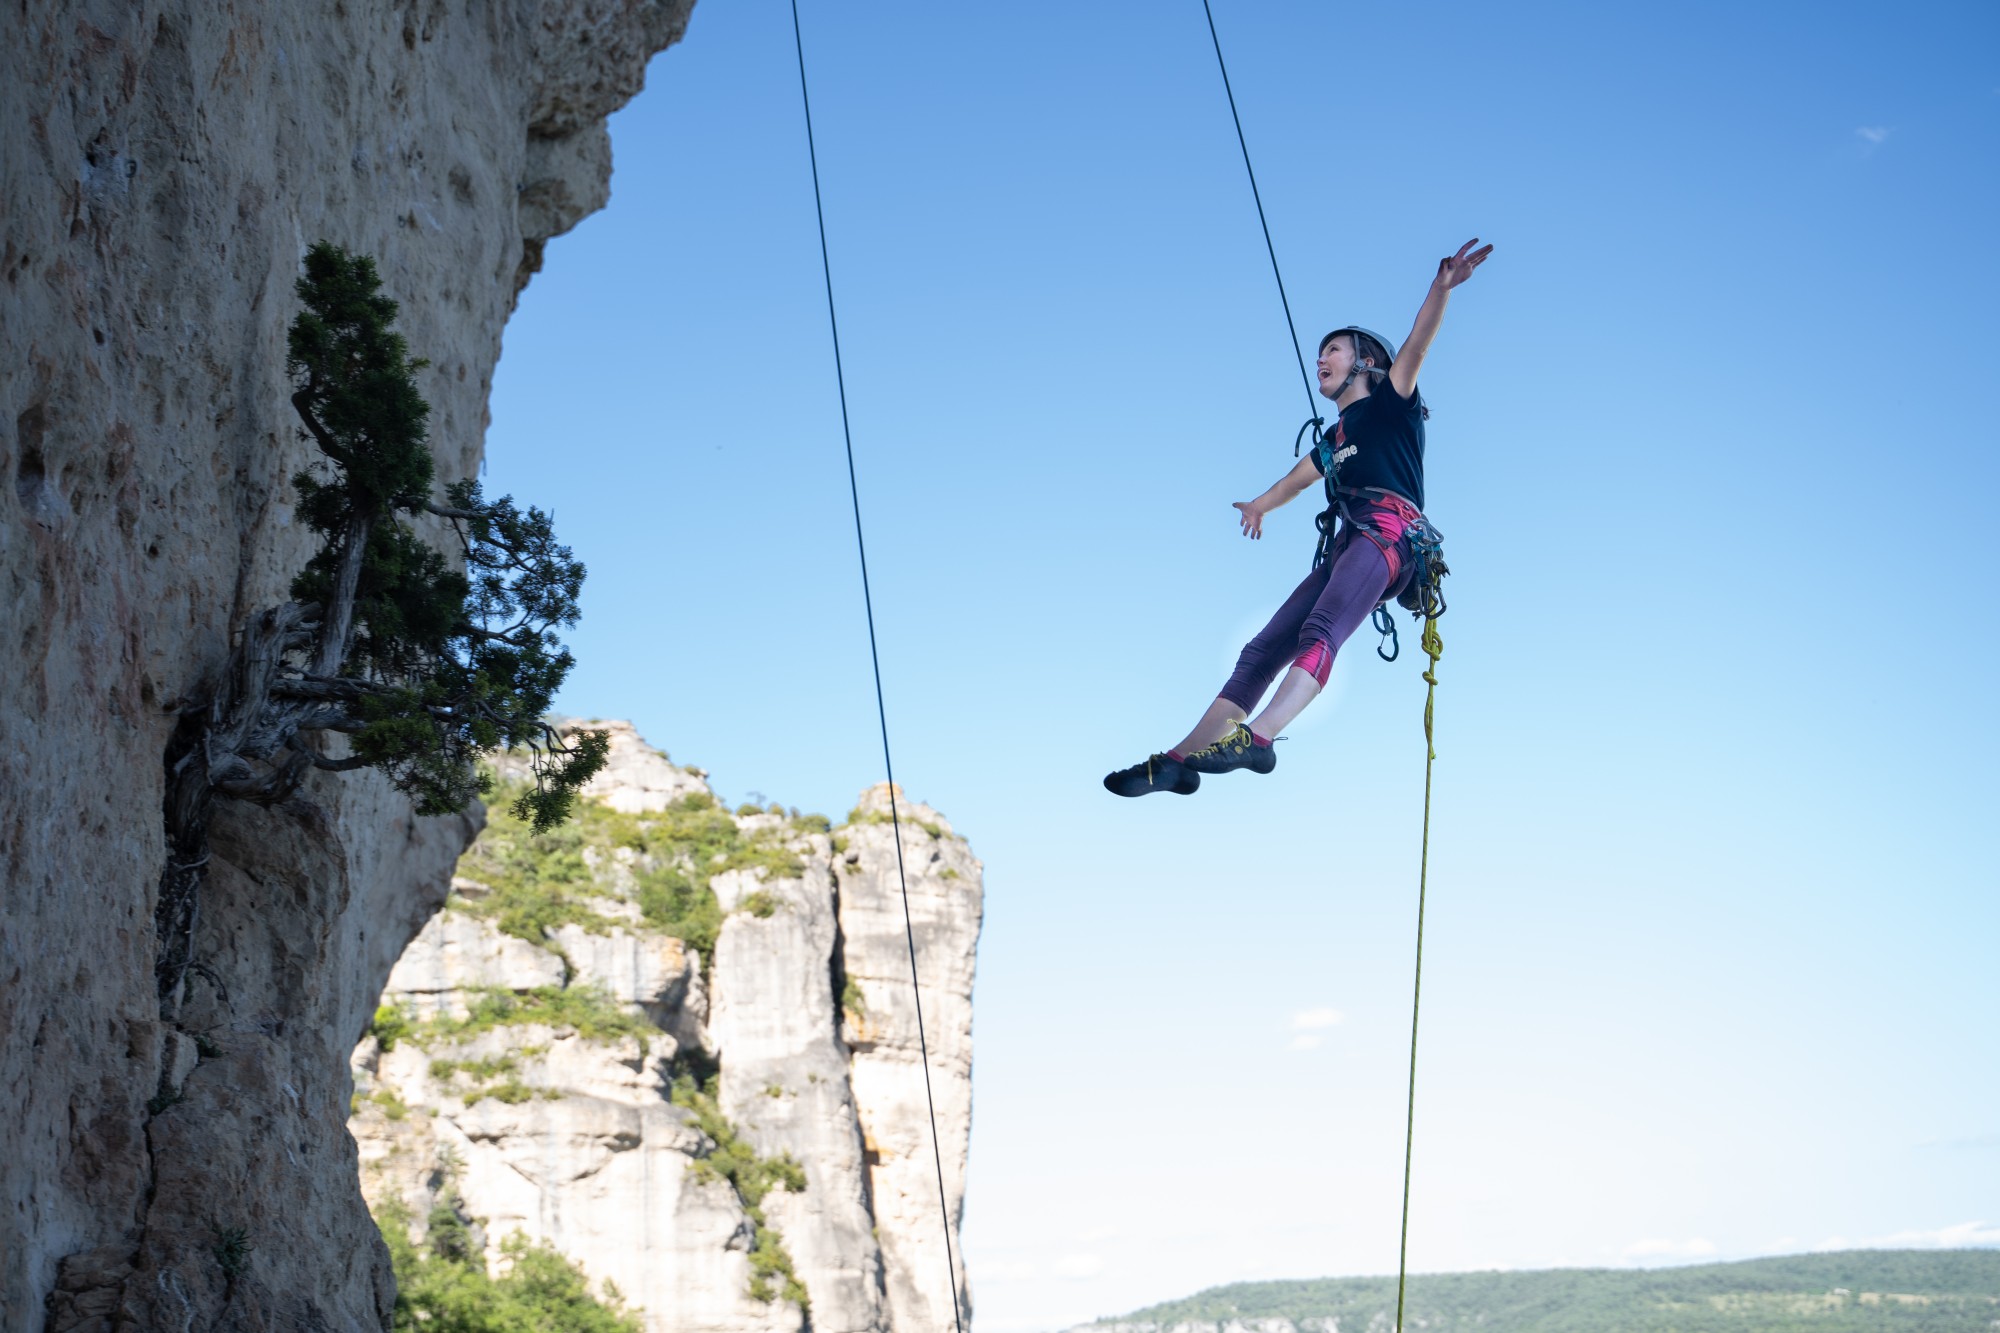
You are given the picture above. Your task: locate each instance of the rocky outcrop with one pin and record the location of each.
(166, 165)
(881, 1024)
(795, 1039)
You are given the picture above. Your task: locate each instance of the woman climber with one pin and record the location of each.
(1373, 466)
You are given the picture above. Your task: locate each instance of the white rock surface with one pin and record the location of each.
(634, 966)
(166, 163)
(454, 953)
(635, 778)
(600, 1163)
(887, 1072)
(784, 1081)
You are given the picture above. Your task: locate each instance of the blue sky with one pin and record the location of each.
(1711, 965)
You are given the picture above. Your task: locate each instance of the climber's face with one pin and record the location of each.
(1336, 359)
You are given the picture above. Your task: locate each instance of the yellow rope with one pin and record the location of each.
(1434, 648)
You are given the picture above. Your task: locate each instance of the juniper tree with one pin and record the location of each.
(423, 662)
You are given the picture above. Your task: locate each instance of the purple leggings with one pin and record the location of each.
(1326, 607)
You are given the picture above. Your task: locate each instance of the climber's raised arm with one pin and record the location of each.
(1452, 270)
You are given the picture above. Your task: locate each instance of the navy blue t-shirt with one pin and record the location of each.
(1379, 442)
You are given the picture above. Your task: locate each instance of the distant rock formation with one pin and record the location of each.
(563, 1122)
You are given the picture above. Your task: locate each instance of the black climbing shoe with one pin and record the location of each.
(1159, 773)
(1239, 749)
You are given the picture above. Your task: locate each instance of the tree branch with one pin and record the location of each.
(302, 404)
(323, 689)
(339, 620)
(325, 765)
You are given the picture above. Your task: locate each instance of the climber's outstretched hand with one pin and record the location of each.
(1457, 268)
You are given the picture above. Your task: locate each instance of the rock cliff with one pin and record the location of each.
(571, 1047)
(164, 166)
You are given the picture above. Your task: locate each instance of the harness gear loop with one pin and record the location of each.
(1433, 644)
(1423, 595)
(1385, 625)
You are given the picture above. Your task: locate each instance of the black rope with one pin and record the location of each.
(1312, 406)
(875, 658)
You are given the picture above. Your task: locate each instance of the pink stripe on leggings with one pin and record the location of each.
(1328, 605)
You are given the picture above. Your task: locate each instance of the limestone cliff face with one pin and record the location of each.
(164, 165)
(803, 1016)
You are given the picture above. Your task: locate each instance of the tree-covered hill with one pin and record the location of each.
(1876, 1291)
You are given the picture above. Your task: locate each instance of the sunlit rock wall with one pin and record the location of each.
(163, 166)
(805, 1008)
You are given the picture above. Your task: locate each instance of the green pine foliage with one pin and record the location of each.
(1856, 1291)
(423, 662)
(232, 1250)
(442, 1285)
(441, 665)
(355, 375)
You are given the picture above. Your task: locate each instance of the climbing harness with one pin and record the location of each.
(1423, 596)
(875, 659)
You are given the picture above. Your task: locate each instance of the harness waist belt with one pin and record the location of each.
(1377, 492)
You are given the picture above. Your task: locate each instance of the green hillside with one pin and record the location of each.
(1904, 1291)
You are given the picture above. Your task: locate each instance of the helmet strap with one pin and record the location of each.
(1357, 370)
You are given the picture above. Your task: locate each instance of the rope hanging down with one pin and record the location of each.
(1433, 645)
(1312, 406)
(875, 659)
